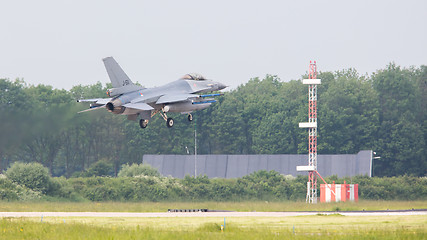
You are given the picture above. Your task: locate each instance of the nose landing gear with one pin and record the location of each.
(169, 122)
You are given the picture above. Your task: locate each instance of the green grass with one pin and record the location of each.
(230, 206)
(316, 227)
(334, 226)
(302, 223)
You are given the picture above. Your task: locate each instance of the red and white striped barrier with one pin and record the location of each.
(339, 192)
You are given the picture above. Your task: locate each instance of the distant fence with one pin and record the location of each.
(234, 166)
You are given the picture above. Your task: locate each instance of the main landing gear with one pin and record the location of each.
(169, 121)
(143, 123)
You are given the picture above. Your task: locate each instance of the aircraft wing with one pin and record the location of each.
(98, 101)
(170, 98)
(139, 106)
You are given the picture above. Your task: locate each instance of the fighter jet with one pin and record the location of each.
(183, 95)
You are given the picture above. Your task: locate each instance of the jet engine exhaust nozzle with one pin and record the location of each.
(115, 106)
(110, 106)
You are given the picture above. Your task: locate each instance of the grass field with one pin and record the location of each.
(317, 227)
(229, 206)
(333, 226)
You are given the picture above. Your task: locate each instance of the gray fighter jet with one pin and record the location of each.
(183, 96)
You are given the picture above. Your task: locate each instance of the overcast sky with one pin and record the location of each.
(61, 43)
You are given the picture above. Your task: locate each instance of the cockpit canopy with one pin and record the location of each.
(193, 76)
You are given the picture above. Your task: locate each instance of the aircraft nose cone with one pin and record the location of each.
(221, 86)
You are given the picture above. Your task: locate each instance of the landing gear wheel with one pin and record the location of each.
(143, 123)
(190, 117)
(169, 122)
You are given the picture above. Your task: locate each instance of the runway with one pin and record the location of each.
(208, 214)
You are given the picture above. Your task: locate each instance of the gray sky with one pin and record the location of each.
(61, 43)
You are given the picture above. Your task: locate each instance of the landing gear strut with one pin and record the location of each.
(169, 121)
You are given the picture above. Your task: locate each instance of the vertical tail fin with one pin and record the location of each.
(117, 76)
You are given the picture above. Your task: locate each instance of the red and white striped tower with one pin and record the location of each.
(312, 83)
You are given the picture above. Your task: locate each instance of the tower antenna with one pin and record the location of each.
(312, 83)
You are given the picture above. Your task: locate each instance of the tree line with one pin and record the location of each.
(139, 182)
(384, 111)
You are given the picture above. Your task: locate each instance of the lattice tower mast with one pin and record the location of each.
(312, 83)
(312, 133)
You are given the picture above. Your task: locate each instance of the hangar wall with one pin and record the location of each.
(234, 166)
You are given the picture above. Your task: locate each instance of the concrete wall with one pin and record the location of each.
(234, 166)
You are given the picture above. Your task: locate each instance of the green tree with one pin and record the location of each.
(400, 139)
(15, 109)
(348, 114)
(50, 116)
(278, 130)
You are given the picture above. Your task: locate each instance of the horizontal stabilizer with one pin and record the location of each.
(93, 108)
(100, 101)
(139, 106)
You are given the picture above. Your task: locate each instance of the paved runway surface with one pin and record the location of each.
(205, 214)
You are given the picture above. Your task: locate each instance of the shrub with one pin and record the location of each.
(31, 175)
(96, 188)
(263, 185)
(100, 169)
(63, 189)
(135, 170)
(10, 191)
(7, 190)
(222, 190)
